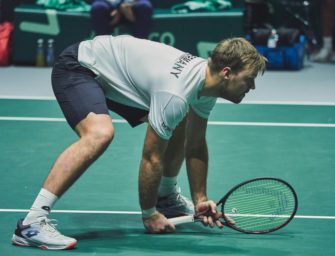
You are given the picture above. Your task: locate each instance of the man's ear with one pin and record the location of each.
(225, 73)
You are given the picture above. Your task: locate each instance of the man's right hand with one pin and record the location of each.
(158, 223)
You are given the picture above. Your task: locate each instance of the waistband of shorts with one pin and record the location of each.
(71, 51)
(69, 60)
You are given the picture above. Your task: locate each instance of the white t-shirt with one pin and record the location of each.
(150, 76)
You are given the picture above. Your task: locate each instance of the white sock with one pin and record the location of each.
(168, 185)
(41, 207)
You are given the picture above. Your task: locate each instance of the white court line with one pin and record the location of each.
(75, 211)
(220, 101)
(282, 216)
(271, 124)
(45, 119)
(9, 97)
(42, 119)
(280, 102)
(48, 119)
(138, 213)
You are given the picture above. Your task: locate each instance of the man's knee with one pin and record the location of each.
(97, 129)
(101, 136)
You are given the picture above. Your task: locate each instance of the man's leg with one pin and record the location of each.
(84, 106)
(96, 132)
(170, 202)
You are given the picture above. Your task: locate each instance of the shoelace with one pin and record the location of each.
(50, 227)
(179, 198)
(184, 199)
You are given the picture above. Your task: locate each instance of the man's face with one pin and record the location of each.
(238, 85)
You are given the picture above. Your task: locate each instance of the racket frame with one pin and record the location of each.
(226, 221)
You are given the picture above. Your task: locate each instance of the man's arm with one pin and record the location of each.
(197, 167)
(196, 156)
(151, 170)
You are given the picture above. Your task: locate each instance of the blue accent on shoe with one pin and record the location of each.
(20, 227)
(32, 233)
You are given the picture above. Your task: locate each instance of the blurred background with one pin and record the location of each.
(33, 32)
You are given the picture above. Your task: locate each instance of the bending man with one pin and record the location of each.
(142, 81)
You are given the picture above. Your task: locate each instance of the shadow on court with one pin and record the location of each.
(117, 240)
(185, 242)
(123, 233)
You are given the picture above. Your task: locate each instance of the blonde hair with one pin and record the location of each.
(238, 54)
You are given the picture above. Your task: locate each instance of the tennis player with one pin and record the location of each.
(143, 81)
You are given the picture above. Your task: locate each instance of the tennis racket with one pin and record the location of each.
(257, 206)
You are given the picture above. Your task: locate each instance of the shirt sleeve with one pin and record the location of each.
(204, 106)
(166, 112)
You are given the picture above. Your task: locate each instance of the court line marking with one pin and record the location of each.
(45, 119)
(280, 102)
(9, 97)
(138, 213)
(48, 119)
(272, 124)
(220, 101)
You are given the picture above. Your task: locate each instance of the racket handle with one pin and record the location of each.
(182, 219)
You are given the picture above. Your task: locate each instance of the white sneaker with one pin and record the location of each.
(42, 234)
(324, 55)
(174, 205)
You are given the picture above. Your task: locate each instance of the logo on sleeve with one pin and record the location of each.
(166, 127)
(180, 64)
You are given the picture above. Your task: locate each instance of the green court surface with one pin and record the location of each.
(292, 142)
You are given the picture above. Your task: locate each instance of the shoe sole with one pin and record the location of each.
(20, 241)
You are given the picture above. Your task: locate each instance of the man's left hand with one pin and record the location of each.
(209, 214)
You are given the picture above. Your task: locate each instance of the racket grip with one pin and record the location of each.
(182, 219)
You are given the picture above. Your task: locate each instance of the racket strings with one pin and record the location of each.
(260, 205)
